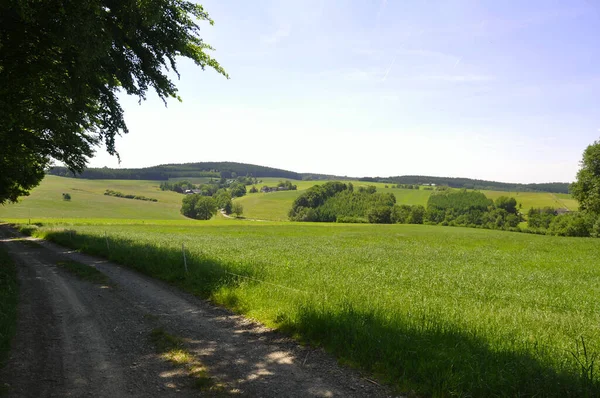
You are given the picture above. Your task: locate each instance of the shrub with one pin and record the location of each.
(380, 215)
(417, 215)
(572, 224)
(400, 214)
(351, 220)
(540, 218)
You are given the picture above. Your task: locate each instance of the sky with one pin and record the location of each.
(496, 90)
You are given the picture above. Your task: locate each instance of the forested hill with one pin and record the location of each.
(227, 170)
(556, 187)
(191, 170)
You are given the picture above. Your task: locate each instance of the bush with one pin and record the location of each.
(417, 215)
(66, 196)
(351, 220)
(540, 218)
(400, 214)
(572, 224)
(380, 215)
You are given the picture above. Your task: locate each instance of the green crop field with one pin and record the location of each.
(88, 201)
(537, 199)
(438, 310)
(274, 206)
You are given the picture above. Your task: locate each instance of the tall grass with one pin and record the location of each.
(442, 311)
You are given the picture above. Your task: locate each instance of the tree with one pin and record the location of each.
(198, 207)
(587, 187)
(508, 204)
(223, 200)
(237, 209)
(62, 66)
(237, 190)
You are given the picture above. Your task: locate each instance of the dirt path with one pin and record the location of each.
(75, 338)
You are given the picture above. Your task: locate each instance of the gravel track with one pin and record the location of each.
(76, 339)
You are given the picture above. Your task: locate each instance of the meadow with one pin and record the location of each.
(88, 201)
(441, 311)
(437, 310)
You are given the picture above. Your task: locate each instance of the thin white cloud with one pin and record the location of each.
(387, 72)
(459, 78)
(281, 33)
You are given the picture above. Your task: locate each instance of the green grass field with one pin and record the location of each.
(88, 201)
(537, 199)
(438, 310)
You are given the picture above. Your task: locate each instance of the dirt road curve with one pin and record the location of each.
(80, 339)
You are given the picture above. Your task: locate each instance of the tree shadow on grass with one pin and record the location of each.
(435, 360)
(197, 274)
(422, 355)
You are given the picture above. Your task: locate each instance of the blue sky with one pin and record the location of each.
(500, 90)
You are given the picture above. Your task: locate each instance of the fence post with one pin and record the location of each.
(106, 238)
(184, 259)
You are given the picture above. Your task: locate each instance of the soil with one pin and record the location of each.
(76, 339)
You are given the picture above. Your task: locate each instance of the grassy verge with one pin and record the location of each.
(84, 272)
(441, 311)
(8, 303)
(172, 349)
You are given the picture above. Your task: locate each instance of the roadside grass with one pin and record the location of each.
(84, 272)
(172, 349)
(437, 310)
(9, 290)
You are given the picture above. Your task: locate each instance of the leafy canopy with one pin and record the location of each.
(587, 187)
(62, 65)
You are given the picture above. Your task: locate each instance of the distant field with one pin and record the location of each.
(88, 201)
(276, 205)
(537, 199)
(433, 309)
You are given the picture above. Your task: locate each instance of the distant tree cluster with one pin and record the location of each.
(472, 209)
(340, 202)
(469, 183)
(178, 186)
(199, 207)
(118, 194)
(222, 191)
(406, 186)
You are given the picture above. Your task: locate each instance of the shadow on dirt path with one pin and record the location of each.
(76, 338)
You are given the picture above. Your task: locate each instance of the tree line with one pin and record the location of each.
(184, 170)
(469, 183)
(341, 202)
